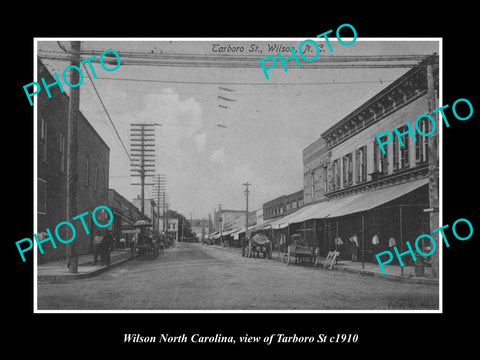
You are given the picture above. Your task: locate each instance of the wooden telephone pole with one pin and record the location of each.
(247, 192)
(433, 167)
(72, 141)
(159, 192)
(142, 152)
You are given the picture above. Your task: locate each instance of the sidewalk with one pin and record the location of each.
(57, 270)
(392, 272)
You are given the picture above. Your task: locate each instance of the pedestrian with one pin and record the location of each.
(97, 244)
(269, 250)
(375, 245)
(354, 244)
(338, 243)
(106, 247)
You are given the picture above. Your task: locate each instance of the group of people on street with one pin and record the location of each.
(102, 245)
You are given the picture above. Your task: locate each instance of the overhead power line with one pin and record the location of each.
(240, 83)
(242, 61)
(108, 115)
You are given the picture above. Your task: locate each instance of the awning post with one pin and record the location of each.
(363, 242)
(401, 238)
(336, 236)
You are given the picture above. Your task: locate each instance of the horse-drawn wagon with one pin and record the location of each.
(258, 245)
(298, 251)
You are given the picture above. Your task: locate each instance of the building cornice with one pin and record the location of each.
(406, 89)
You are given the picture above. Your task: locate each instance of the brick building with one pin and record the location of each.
(283, 205)
(92, 169)
(358, 190)
(125, 214)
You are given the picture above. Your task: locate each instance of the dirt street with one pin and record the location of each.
(201, 277)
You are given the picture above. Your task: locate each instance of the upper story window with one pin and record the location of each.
(62, 149)
(401, 153)
(336, 174)
(380, 160)
(325, 179)
(421, 145)
(43, 139)
(312, 174)
(361, 161)
(87, 170)
(95, 177)
(347, 170)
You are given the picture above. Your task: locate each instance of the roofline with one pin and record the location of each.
(380, 94)
(80, 113)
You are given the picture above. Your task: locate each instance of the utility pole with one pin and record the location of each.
(247, 192)
(159, 182)
(209, 222)
(183, 225)
(72, 136)
(142, 152)
(221, 222)
(165, 221)
(433, 166)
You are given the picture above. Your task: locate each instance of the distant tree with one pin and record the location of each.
(182, 221)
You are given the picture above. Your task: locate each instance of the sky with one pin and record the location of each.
(206, 151)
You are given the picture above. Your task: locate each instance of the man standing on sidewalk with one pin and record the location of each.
(354, 246)
(106, 247)
(97, 245)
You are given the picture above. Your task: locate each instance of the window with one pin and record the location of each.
(289, 206)
(421, 145)
(95, 177)
(313, 184)
(43, 139)
(347, 170)
(361, 161)
(383, 158)
(404, 154)
(380, 160)
(42, 196)
(294, 204)
(87, 170)
(395, 153)
(325, 179)
(63, 158)
(401, 153)
(336, 174)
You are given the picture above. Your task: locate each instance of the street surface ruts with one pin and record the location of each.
(201, 277)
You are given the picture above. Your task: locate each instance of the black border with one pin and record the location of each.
(400, 333)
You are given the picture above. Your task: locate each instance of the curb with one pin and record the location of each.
(92, 273)
(406, 279)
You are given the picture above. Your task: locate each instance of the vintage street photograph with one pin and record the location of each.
(237, 175)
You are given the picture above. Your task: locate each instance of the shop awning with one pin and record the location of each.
(357, 203)
(229, 232)
(262, 225)
(284, 221)
(372, 199)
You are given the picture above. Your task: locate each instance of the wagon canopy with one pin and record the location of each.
(260, 239)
